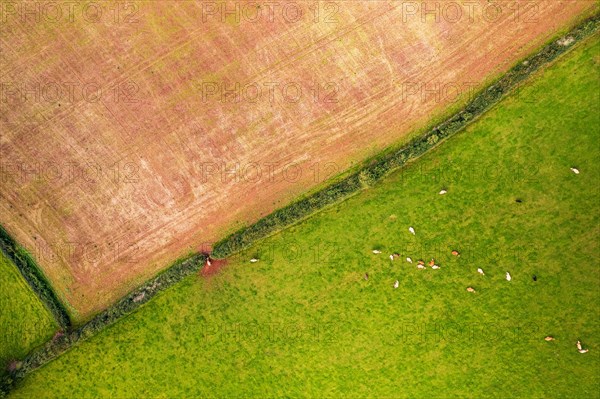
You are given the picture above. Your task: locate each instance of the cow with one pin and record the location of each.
(580, 349)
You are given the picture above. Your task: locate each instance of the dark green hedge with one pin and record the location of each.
(381, 166)
(34, 277)
(286, 216)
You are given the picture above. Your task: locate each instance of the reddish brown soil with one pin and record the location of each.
(215, 266)
(106, 192)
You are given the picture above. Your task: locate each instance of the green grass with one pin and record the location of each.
(304, 322)
(24, 321)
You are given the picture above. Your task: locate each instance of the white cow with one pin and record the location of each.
(396, 284)
(419, 266)
(253, 260)
(508, 276)
(435, 267)
(580, 349)
(411, 230)
(443, 192)
(480, 271)
(409, 260)
(575, 170)
(376, 251)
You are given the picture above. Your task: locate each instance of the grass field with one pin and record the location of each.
(24, 321)
(304, 322)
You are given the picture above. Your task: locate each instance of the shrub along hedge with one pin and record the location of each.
(367, 176)
(380, 167)
(34, 277)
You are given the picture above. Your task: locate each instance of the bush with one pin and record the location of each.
(6, 383)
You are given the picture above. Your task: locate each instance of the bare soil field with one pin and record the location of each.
(134, 133)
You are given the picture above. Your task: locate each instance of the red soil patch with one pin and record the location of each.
(215, 266)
